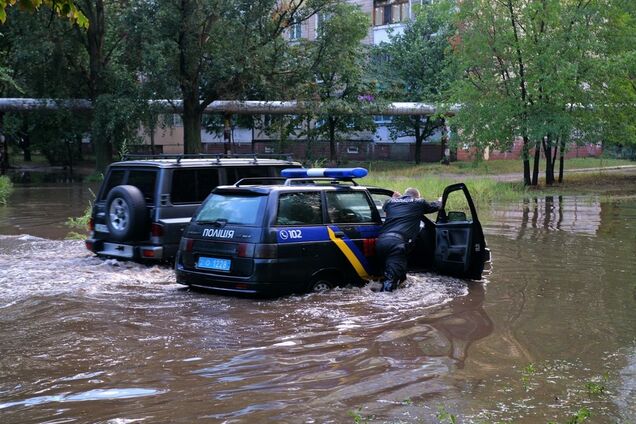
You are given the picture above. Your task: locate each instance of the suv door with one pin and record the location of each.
(460, 247)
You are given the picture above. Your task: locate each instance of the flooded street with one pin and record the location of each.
(550, 332)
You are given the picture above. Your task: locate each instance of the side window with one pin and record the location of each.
(145, 182)
(193, 185)
(348, 207)
(380, 199)
(115, 178)
(299, 209)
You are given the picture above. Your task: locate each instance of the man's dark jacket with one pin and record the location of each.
(403, 215)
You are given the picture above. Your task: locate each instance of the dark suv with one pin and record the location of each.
(143, 205)
(309, 234)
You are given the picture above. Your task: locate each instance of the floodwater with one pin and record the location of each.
(550, 332)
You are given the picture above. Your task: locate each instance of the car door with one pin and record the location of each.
(460, 248)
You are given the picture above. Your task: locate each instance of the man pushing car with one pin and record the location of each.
(398, 234)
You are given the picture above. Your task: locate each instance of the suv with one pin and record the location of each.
(311, 234)
(143, 205)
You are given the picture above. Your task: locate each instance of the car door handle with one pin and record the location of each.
(338, 234)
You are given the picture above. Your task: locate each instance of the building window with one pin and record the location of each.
(382, 119)
(353, 150)
(295, 31)
(387, 12)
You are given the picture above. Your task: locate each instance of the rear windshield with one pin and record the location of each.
(232, 209)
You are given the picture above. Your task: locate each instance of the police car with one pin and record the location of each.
(311, 230)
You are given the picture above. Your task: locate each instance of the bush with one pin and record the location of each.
(6, 188)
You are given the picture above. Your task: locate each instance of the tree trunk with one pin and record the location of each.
(537, 159)
(561, 158)
(332, 138)
(4, 150)
(547, 151)
(445, 145)
(227, 133)
(26, 146)
(418, 139)
(525, 154)
(191, 126)
(95, 48)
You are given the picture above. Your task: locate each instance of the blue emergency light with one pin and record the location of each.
(324, 172)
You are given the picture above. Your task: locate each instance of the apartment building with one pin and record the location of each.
(385, 16)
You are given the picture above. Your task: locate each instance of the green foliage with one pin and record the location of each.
(445, 417)
(80, 223)
(6, 188)
(63, 8)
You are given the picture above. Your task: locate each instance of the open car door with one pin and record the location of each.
(460, 247)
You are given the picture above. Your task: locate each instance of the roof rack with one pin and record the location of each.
(259, 181)
(216, 156)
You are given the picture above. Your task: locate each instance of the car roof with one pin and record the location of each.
(206, 162)
(264, 189)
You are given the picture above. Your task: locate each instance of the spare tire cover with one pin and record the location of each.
(126, 215)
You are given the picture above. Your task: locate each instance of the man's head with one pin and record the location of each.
(412, 192)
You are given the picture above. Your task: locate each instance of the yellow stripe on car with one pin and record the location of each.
(353, 259)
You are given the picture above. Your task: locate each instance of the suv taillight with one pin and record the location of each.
(266, 251)
(186, 244)
(91, 224)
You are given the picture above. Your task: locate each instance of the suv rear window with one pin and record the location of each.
(299, 209)
(232, 209)
(145, 182)
(115, 178)
(351, 207)
(236, 173)
(193, 185)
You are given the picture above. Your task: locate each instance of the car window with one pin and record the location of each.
(145, 182)
(193, 185)
(236, 173)
(351, 207)
(115, 178)
(299, 209)
(380, 199)
(237, 209)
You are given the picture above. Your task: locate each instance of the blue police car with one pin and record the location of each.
(310, 230)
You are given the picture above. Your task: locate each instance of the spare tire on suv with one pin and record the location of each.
(126, 214)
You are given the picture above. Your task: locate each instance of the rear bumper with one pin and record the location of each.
(128, 251)
(258, 284)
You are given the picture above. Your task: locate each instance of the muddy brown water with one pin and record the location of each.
(551, 331)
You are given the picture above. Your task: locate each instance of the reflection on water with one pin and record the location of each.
(89, 340)
(570, 214)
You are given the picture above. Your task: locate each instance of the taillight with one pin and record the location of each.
(91, 224)
(156, 230)
(245, 250)
(368, 247)
(148, 253)
(89, 245)
(186, 244)
(266, 251)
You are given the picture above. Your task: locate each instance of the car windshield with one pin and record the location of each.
(231, 209)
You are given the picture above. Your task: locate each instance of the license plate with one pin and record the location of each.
(214, 263)
(101, 228)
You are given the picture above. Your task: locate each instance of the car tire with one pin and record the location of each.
(320, 285)
(126, 215)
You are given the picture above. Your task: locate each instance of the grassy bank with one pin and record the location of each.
(6, 188)
(431, 179)
(492, 167)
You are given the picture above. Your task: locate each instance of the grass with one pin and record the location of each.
(6, 188)
(80, 223)
(491, 167)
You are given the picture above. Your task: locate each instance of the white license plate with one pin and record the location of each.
(214, 263)
(120, 250)
(101, 228)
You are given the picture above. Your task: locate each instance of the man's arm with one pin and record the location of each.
(429, 207)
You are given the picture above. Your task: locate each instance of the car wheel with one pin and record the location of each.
(126, 215)
(320, 285)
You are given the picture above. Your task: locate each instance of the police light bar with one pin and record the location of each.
(324, 172)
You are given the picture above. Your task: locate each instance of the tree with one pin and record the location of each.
(415, 66)
(337, 81)
(227, 49)
(64, 8)
(529, 70)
